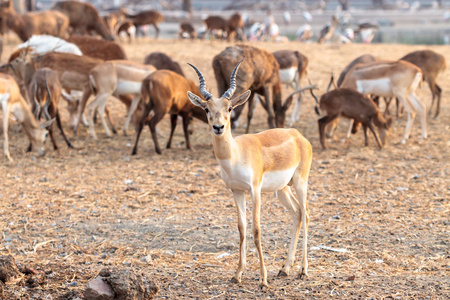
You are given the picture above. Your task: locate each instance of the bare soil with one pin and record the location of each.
(74, 212)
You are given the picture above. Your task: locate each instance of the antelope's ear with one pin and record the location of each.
(196, 100)
(46, 124)
(240, 99)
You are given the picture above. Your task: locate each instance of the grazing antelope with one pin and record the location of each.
(431, 64)
(13, 102)
(45, 94)
(165, 92)
(115, 77)
(270, 161)
(353, 105)
(391, 79)
(43, 44)
(84, 17)
(98, 48)
(43, 22)
(293, 66)
(187, 30)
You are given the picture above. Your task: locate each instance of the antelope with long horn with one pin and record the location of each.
(270, 161)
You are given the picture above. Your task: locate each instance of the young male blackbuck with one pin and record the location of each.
(13, 102)
(270, 161)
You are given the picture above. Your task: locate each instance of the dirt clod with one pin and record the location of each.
(127, 284)
(8, 268)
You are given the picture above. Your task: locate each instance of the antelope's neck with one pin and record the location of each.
(224, 146)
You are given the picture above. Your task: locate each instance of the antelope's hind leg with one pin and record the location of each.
(291, 203)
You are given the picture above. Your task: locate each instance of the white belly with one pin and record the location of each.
(379, 87)
(288, 75)
(241, 177)
(128, 87)
(276, 180)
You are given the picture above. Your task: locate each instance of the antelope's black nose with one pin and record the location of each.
(218, 128)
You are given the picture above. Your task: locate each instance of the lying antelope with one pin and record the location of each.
(391, 79)
(115, 78)
(13, 102)
(165, 92)
(270, 161)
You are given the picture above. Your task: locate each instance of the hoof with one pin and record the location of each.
(303, 274)
(264, 286)
(282, 274)
(235, 280)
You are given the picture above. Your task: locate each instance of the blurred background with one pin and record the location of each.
(406, 22)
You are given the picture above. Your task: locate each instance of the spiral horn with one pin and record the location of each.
(229, 93)
(207, 95)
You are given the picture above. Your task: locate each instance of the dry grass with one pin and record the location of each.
(73, 212)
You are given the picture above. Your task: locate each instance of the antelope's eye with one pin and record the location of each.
(230, 109)
(207, 110)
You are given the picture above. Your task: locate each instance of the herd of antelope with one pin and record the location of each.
(51, 65)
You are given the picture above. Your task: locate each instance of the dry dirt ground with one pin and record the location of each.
(75, 212)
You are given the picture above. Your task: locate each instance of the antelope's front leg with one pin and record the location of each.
(256, 203)
(239, 199)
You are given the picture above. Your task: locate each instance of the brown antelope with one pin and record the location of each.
(293, 66)
(162, 61)
(431, 64)
(115, 77)
(270, 161)
(13, 102)
(260, 75)
(127, 28)
(45, 94)
(50, 22)
(187, 30)
(165, 92)
(391, 79)
(94, 47)
(353, 105)
(235, 28)
(215, 23)
(363, 59)
(84, 17)
(146, 17)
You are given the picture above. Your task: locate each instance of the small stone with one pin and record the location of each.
(146, 259)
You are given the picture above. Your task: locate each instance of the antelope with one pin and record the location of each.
(45, 90)
(115, 77)
(50, 22)
(165, 92)
(391, 79)
(431, 64)
(97, 48)
(127, 28)
(13, 102)
(270, 161)
(363, 59)
(235, 27)
(354, 105)
(187, 30)
(162, 61)
(293, 66)
(261, 76)
(84, 17)
(146, 17)
(217, 24)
